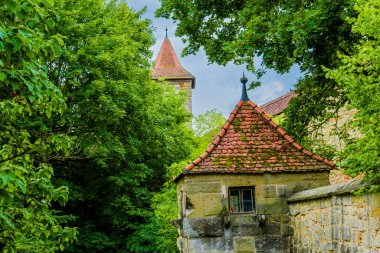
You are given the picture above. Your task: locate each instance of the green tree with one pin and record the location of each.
(28, 101)
(282, 34)
(127, 129)
(208, 123)
(315, 35)
(359, 77)
(206, 127)
(159, 234)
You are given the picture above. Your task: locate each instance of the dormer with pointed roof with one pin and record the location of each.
(167, 67)
(233, 198)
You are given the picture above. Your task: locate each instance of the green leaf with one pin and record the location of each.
(24, 34)
(2, 33)
(50, 23)
(16, 42)
(3, 75)
(6, 219)
(5, 196)
(31, 98)
(31, 24)
(6, 177)
(21, 185)
(15, 85)
(48, 113)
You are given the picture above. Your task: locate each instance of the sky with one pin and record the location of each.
(217, 87)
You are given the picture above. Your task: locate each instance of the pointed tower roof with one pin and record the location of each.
(251, 143)
(168, 66)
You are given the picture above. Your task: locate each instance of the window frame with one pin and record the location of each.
(241, 188)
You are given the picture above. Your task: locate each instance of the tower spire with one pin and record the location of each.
(244, 95)
(166, 31)
(167, 67)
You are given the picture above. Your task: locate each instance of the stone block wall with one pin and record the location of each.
(329, 132)
(184, 86)
(332, 219)
(206, 225)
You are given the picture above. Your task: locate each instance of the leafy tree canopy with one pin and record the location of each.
(359, 77)
(159, 234)
(126, 129)
(28, 101)
(281, 33)
(337, 36)
(208, 123)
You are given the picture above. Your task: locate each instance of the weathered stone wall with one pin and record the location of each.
(332, 219)
(205, 224)
(185, 86)
(330, 131)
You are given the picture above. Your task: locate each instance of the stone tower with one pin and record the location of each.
(168, 68)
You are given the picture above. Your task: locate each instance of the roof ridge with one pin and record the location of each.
(279, 104)
(278, 98)
(265, 117)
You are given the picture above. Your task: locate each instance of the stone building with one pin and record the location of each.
(168, 68)
(233, 198)
(328, 133)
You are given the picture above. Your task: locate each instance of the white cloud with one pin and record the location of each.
(268, 91)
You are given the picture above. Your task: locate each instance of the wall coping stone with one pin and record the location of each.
(329, 190)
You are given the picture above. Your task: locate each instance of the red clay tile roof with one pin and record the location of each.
(251, 143)
(167, 64)
(278, 105)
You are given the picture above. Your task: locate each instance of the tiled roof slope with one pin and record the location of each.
(167, 64)
(251, 143)
(278, 105)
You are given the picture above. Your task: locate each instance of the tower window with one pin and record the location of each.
(241, 200)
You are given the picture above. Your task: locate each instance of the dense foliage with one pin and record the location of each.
(83, 102)
(28, 102)
(159, 234)
(281, 33)
(316, 35)
(126, 128)
(76, 96)
(359, 76)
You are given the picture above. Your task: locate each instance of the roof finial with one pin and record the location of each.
(166, 31)
(244, 95)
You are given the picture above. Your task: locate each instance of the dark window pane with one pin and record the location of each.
(247, 206)
(247, 200)
(247, 194)
(234, 201)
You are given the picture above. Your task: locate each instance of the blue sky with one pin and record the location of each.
(217, 87)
